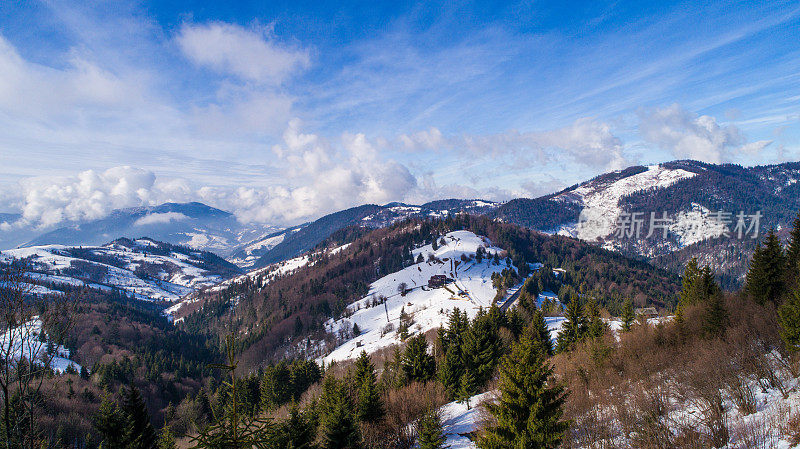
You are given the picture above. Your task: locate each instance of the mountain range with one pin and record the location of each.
(701, 202)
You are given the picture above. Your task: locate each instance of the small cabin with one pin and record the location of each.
(647, 312)
(438, 280)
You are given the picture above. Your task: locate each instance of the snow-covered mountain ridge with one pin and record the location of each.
(143, 268)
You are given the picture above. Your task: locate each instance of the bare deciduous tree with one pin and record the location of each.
(33, 328)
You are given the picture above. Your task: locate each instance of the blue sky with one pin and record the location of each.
(283, 111)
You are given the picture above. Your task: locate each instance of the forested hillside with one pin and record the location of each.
(289, 308)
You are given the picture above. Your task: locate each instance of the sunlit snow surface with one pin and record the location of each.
(25, 341)
(428, 307)
(51, 259)
(601, 202)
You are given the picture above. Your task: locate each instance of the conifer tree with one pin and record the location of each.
(529, 411)
(276, 386)
(595, 327)
(166, 440)
(482, 348)
(405, 324)
(766, 276)
(338, 425)
(628, 315)
(109, 422)
(789, 320)
(690, 275)
(793, 255)
(430, 432)
(574, 328)
(538, 331)
(370, 406)
(467, 386)
(138, 432)
(449, 372)
(297, 432)
(417, 364)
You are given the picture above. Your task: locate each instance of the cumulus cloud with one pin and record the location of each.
(160, 218)
(318, 176)
(249, 54)
(691, 136)
(91, 194)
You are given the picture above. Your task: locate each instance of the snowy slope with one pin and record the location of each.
(600, 200)
(147, 269)
(429, 307)
(26, 341)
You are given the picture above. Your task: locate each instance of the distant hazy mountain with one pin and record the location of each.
(190, 224)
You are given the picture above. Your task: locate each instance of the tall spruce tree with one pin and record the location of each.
(370, 406)
(595, 327)
(628, 315)
(574, 328)
(110, 422)
(449, 372)
(297, 432)
(765, 280)
(537, 330)
(690, 275)
(338, 426)
(417, 364)
(138, 431)
(529, 410)
(430, 432)
(467, 387)
(789, 320)
(482, 348)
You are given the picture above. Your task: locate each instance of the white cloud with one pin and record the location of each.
(587, 142)
(91, 195)
(251, 55)
(160, 218)
(690, 136)
(31, 89)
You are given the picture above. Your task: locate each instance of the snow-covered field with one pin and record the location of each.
(471, 289)
(25, 341)
(178, 276)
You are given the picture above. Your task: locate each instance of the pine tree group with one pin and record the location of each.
(766, 276)
(417, 364)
